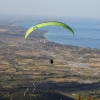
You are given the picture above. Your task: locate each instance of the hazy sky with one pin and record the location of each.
(67, 8)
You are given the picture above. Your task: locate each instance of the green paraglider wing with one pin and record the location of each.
(48, 23)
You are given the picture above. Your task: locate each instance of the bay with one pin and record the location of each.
(87, 33)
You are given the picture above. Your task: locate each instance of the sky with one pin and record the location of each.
(64, 8)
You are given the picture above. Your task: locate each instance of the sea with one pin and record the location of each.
(86, 33)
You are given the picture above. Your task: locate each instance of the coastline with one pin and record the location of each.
(44, 35)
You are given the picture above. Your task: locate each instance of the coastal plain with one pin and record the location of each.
(26, 61)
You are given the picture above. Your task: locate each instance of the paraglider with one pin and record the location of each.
(51, 61)
(48, 23)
